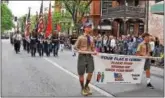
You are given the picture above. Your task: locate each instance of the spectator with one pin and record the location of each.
(98, 43)
(130, 47)
(152, 45)
(104, 43)
(157, 47)
(113, 45)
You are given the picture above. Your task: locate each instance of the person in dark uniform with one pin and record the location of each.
(41, 44)
(73, 40)
(55, 44)
(28, 43)
(17, 41)
(11, 38)
(47, 46)
(33, 43)
(62, 39)
(24, 41)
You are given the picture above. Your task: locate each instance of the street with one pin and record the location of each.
(23, 75)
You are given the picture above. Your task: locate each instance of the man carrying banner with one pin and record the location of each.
(85, 46)
(144, 50)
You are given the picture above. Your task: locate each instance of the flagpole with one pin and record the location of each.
(29, 19)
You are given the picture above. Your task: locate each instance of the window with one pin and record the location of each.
(156, 1)
(136, 2)
(141, 28)
(105, 5)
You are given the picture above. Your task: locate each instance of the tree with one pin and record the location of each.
(6, 18)
(21, 22)
(77, 9)
(63, 19)
(56, 18)
(33, 22)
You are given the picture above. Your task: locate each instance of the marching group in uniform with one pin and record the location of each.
(38, 43)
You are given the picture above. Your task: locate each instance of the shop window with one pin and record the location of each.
(141, 28)
(131, 29)
(121, 28)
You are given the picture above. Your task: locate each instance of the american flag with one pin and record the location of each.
(28, 23)
(41, 21)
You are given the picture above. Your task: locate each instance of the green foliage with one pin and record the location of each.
(62, 19)
(33, 22)
(6, 18)
(77, 9)
(21, 22)
(56, 17)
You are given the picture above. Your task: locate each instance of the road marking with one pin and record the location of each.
(75, 76)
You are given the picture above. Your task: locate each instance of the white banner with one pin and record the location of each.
(124, 69)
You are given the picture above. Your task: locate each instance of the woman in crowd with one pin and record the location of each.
(98, 43)
(112, 44)
(130, 47)
(157, 47)
(104, 44)
(152, 45)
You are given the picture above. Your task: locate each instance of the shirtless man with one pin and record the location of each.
(84, 44)
(145, 50)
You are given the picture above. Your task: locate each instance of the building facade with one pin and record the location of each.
(155, 23)
(124, 16)
(95, 14)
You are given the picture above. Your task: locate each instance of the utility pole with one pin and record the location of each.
(147, 14)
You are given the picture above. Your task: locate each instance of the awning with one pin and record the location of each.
(158, 9)
(104, 27)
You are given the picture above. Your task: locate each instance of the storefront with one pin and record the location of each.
(157, 9)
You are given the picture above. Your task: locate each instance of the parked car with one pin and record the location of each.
(4, 36)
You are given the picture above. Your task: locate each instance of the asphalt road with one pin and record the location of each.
(24, 76)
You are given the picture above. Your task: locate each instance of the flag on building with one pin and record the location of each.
(41, 21)
(49, 23)
(28, 23)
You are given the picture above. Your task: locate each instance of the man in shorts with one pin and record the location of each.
(144, 49)
(85, 43)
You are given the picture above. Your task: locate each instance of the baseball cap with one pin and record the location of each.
(87, 25)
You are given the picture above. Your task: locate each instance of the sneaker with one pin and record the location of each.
(149, 85)
(88, 90)
(84, 92)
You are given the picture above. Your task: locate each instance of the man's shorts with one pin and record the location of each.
(147, 64)
(85, 64)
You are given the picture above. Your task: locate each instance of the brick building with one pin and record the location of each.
(119, 17)
(155, 23)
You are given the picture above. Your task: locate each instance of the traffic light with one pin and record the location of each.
(15, 18)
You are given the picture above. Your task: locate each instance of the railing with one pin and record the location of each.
(124, 11)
